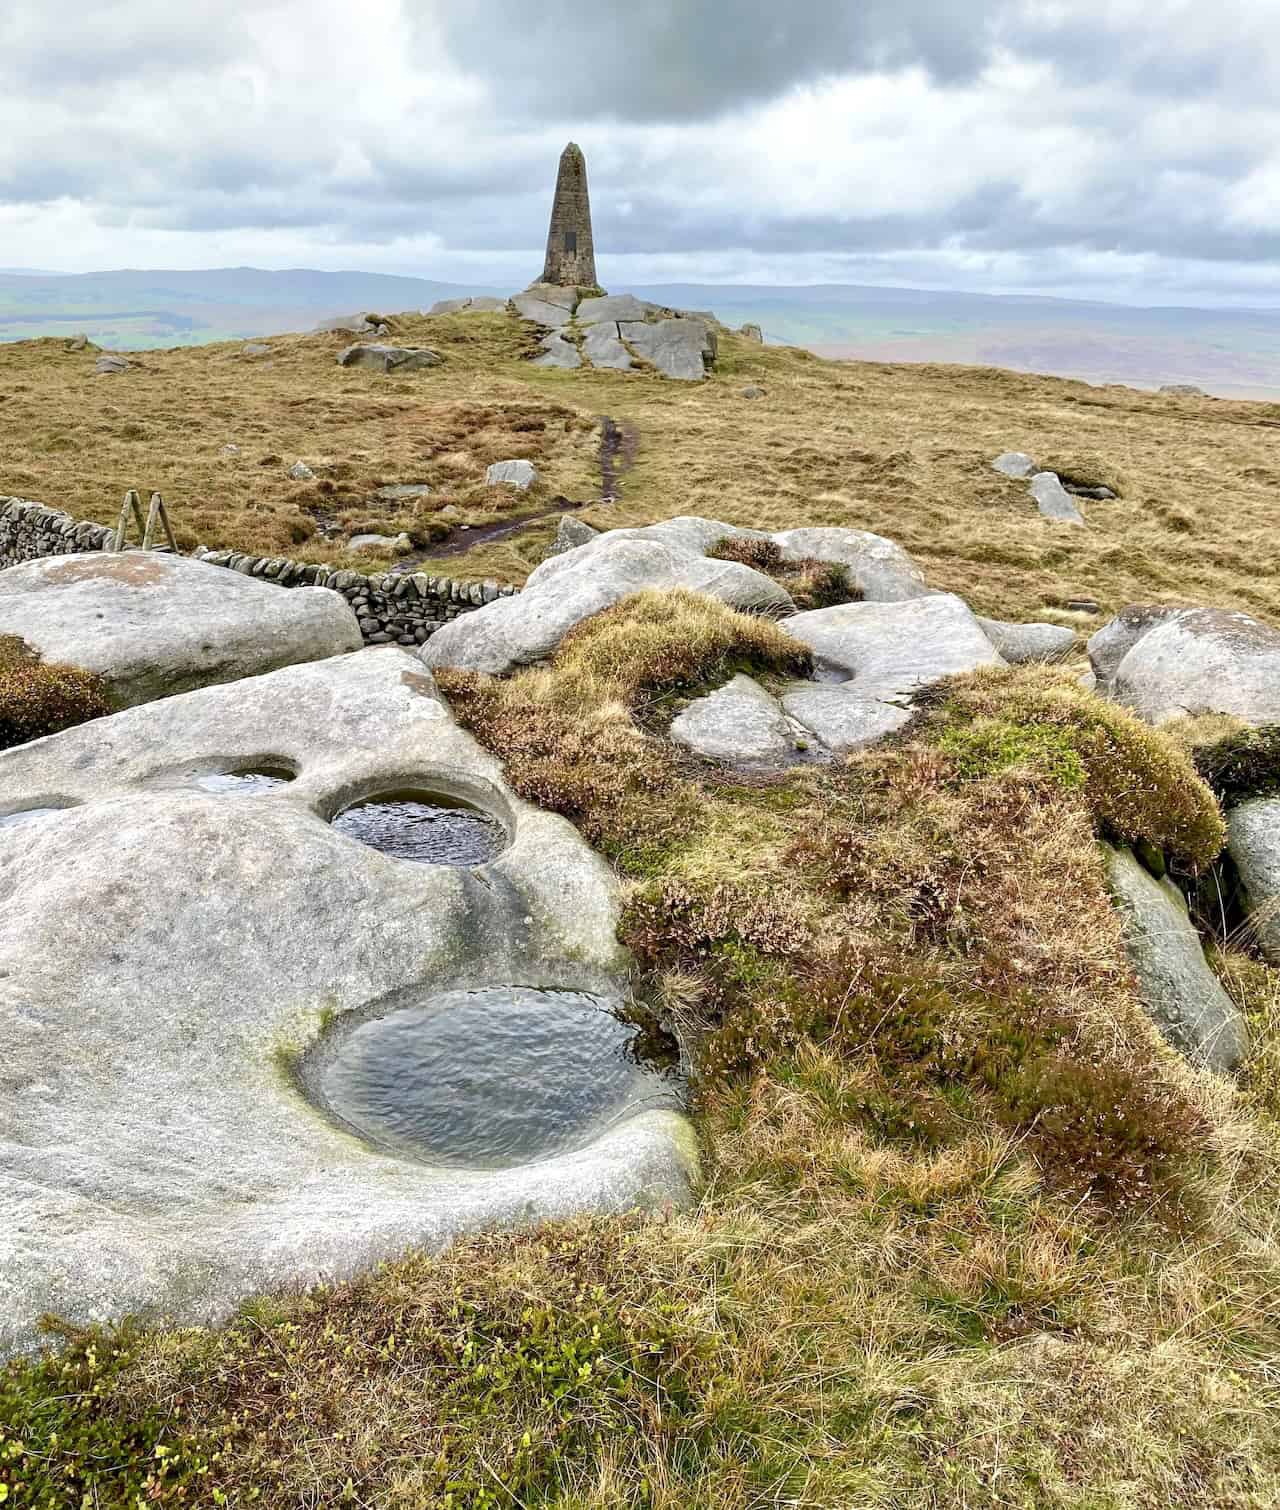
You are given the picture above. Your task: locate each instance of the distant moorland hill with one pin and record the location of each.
(1233, 353)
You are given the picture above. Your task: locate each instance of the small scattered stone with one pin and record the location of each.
(107, 366)
(752, 333)
(753, 391)
(519, 474)
(1098, 494)
(1183, 390)
(571, 534)
(399, 491)
(1053, 500)
(301, 472)
(389, 358)
(255, 349)
(1014, 464)
(1083, 605)
(76, 343)
(230, 450)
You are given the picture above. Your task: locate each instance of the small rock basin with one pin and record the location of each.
(427, 827)
(33, 815)
(246, 783)
(486, 1079)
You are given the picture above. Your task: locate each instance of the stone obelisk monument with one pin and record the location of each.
(571, 254)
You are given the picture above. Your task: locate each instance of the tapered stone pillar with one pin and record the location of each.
(571, 255)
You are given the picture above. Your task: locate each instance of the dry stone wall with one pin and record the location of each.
(403, 608)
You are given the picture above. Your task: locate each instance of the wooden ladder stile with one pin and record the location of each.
(157, 514)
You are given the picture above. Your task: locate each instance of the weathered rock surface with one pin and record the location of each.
(1254, 845)
(547, 304)
(109, 366)
(753, 390)
(400, 543)
(1015, 464)
(840, 718)
(152, 625)
(301, 472)
(567, 588)
(571, 534)
(389, 358)
(682, 348)
(519, 474)
(253, 349)
(877, 569)
(480, 304)
(352, 325)
(399, 492)
(558, 351)
(739, 723)
(1167, 663)
(1178, 989)
(1053, 500)
(892, 650)
(612, 308)
(603, 348)
(1183, 390)
(156, 1154)
(1019, 643)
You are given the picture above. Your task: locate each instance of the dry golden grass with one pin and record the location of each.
(901, 450)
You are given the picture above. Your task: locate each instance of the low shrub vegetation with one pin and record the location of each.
(37, 698)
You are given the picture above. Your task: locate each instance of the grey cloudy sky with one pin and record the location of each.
(1123, 149)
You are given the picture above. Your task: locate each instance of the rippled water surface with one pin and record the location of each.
(488, 1079)
(424, 826)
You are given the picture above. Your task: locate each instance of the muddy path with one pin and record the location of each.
(618, 446)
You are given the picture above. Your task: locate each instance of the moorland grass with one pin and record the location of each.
(904, 451)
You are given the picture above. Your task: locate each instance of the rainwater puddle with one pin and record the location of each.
(33, 815)
(247, 783)
(488, 1079)
(426, 827)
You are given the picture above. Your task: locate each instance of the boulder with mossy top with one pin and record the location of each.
(193, 950)
(1170, 662)
(151, 625)
(1254, 846)
(1180, 992)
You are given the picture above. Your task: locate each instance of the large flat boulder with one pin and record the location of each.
(374, 358)
(1020, 643)
(739, 724)
(1053, 500)
(611, 308)
(152, 625)
(1167, 663)
(604, 349)
(840, 719)
(558, 351)
(546, 304)
(682, 348)
(570, 587)
(174, 958)
(892, 650)
(1254, 845)
(1181, 994)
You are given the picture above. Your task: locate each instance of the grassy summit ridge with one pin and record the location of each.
(904, 451)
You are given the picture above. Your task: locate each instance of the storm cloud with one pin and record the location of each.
(1105, 147)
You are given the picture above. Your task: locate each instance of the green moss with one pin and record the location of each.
(988, 746)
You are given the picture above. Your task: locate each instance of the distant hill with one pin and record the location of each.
(137, 309)
(1234, 353)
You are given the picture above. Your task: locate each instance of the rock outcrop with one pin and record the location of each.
(167, 954)
(1019, 643)
(1053, 500)
(740, 724)
(152, 625)
(1168, 662)
(389, 358)
(567, 588)
(1179, 991)
(1014, 464)
(1254, 845)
